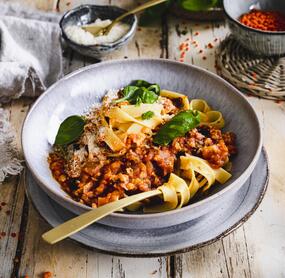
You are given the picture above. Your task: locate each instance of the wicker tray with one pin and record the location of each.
(257, 75)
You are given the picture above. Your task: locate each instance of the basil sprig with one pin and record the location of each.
(147, 115)
(69, 130)
(139, 92)
(178, 126)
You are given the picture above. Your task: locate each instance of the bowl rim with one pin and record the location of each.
(67, 198)
(110, 44)
(272, 33)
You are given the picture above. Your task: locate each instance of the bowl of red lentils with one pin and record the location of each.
(258, 25)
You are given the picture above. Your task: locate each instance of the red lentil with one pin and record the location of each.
(47, 274)
(13, 234)
(210, 45)
(264, 20)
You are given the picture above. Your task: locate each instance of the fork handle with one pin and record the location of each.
(82, 221)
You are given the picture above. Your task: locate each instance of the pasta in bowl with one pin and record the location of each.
(82, 92)
(142, 138)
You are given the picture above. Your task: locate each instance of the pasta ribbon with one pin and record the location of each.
(121, 116)
(134, 129)
(222, 176)
(175, 194)
(181, 188)
(199, 105)
(112, 140)
(215, 119)
(207, 115)
(173, 95)
(136, 111)
(170, 200)
(120, 126)
(199, 165)
(193, 185)
(192, 165)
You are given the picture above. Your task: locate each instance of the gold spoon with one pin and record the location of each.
(105, 30)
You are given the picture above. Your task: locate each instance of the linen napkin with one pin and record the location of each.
(30, 61)
(30, 53)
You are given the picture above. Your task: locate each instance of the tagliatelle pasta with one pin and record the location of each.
(137, 111)
(175, 95)
(112, 140)
(141, 140)
(208, 116)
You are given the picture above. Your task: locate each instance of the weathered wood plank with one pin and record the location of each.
(264, 232)
(11, 199)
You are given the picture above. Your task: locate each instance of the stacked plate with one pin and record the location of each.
(206, 220)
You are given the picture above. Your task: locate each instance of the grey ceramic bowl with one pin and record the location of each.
(260, 42)
(85, 14)
(78, 91)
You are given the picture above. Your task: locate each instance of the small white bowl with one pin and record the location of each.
(86, 14)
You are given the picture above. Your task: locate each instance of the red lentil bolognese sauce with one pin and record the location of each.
(133, 141)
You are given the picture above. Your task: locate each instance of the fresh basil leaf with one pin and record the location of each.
(141, 83)
(178, 126)
(147, 96)
(197, 5)
(154, 88)
(70, 130)
(147, 115)
(139, 92)
(127, 93)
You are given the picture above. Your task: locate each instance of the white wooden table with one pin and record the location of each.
(256, 249)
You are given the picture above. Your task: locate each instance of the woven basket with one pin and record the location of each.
(257, 75)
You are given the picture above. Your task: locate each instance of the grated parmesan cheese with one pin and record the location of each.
(80, 36)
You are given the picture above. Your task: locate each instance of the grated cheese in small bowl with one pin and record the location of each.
(80, 36)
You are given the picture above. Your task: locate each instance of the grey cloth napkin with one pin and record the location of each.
(30, 51)
(30, 61)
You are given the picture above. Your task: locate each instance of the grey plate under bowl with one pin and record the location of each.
(231, 213)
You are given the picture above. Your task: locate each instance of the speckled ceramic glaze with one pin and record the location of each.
(232, 212)
(260, 42)
(86, 14)
(77, 92)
